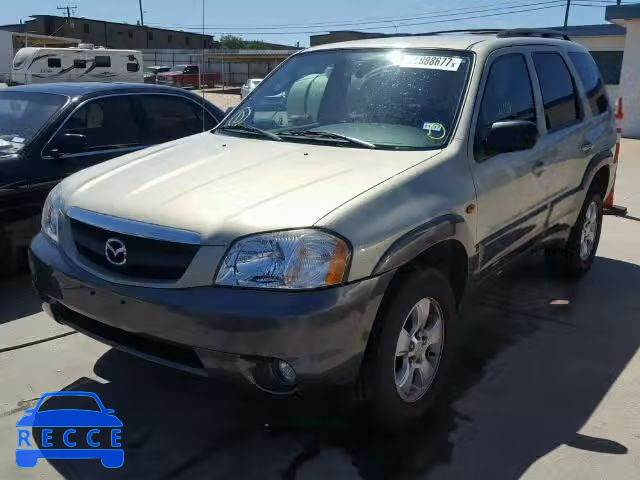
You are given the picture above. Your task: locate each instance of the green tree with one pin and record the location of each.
(231, 42)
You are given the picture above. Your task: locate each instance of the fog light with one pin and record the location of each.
(286, 372)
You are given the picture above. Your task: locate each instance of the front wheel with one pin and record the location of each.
(411, 350)
(577, 256)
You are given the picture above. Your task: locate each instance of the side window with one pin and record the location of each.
(133, 67)
(107, 123)
(190, 70)
(102, 61)
(77, 63)
(561, 101)
(507, 96)
(54, 63)
(591, 80)
(169, 117)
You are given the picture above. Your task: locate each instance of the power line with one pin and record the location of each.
(388, 19)
(393, 20)
(445, 20)
(68, 9)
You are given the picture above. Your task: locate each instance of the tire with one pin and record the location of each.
(394, 407)
(573, 260)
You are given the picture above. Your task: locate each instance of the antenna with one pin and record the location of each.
(69, 9)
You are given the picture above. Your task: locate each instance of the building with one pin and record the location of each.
(342, 36)
(112, 34)
(628, 16)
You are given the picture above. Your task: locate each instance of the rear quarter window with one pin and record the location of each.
(559, 95)
(591, 81)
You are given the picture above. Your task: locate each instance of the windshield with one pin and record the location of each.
(22, 115)
(69, 402)
(396, 99)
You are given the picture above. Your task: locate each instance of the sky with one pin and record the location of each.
(291, 21)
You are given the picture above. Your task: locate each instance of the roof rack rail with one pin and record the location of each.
(498, 32)
(533, 32)
(477, 31)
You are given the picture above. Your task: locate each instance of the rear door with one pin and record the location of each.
(564, 142)
(110, 126)
(511, 197)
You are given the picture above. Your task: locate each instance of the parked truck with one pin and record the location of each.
(187, 76)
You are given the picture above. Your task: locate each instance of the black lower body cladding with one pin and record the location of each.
(322, 333)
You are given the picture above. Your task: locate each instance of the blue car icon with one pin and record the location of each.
(73, 422)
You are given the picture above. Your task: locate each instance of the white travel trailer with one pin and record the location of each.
(84, 63)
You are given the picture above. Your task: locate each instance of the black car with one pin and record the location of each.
(52, 130)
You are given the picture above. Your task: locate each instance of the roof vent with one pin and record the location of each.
(88, 46)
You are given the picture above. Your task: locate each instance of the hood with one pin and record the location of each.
(224, 186)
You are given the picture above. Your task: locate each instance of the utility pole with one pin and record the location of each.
(68, 9)
(141, 13)
(566, 14)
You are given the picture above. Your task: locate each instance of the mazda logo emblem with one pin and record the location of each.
(115, 252)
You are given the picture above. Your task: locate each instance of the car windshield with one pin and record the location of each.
(22, 115)
(386, 98)
(69, 402)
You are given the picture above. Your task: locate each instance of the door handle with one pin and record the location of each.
(538, 169)
(586, 147)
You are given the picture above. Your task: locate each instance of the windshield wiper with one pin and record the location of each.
(248, 128)
(325, 134)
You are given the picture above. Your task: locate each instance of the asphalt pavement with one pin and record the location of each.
(547, 386)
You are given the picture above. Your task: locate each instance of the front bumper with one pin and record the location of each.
(321, 333)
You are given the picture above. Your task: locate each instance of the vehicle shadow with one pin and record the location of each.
(526, 382)
(17, 298)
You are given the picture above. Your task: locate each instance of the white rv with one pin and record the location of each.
(84, 63)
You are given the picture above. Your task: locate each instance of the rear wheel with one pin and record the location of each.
(411, 350)
(577, 256)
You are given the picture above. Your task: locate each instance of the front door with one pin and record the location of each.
(511, 196)
(109, 127)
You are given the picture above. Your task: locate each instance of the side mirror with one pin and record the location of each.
(510, 136)
(68, 143)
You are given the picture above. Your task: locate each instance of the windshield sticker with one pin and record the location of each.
(434, 62)
(17, 140)
(435, 130)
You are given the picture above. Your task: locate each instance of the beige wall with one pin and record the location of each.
(601, 43)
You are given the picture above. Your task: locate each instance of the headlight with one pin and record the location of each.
(51, 213)
(290, 259)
